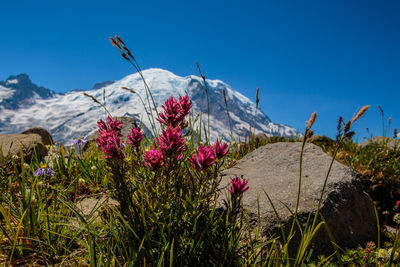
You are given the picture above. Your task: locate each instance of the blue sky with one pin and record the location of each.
(327, 56)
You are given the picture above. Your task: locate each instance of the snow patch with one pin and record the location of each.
(13, 81)
(72, 114)
(5, 93)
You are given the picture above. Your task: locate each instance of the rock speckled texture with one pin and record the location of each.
(274, 168)
(13, 144)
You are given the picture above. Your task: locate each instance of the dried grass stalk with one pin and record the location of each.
(311, 121)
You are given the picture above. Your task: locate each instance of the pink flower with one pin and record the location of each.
(238, 186)
(397, 203)
(186, 104)
(111, 125)
(171, 142)
(220, 151)
(174, 112)
(110, 138)
(153, 158)
(204, 158)
(135, 137)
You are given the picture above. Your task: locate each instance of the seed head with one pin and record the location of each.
(360, 113)
(128, 89)
(119, 40)
(92, 97)
(311, 121)
(114, 43)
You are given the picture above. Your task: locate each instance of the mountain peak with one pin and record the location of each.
(22, 91)
(20, 78)
(72, 114)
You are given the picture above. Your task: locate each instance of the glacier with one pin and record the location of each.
(72, 114)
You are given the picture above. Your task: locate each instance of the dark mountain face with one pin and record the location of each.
(102, 84)
(24, 92)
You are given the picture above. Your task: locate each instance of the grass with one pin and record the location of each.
(168, 214)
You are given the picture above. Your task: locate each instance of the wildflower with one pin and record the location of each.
(44, 171)
(394, 133)
(81, 182)
(174, 111)
(25, 166)
(111, 145)
(371, 244)
(204, 158)
(79, 141)
(110, 138)
(220, 151)
(93, 168)
(153, 158)
(111, 124)
(135, 137)
(238, 186)
(171, 142)
(397, 203)
(186, 104)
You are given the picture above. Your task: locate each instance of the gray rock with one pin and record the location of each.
(92, 207)
(319, 140)
(13, 144)
(383, 141)
(86, 206)
(347, 209)
(45, 135)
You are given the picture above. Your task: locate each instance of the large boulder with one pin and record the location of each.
(274, 168)
(13, 144)
(44, 134)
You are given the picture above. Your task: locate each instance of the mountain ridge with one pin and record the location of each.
(71, 114)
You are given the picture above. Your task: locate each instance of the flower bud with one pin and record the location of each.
(81, 182)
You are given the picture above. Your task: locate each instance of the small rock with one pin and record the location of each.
(382, 140)
(45, 135)
(12, 144)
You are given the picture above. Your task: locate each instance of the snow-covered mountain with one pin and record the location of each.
(19, 90)
(72, 114)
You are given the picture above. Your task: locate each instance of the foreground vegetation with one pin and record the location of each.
(156, 200)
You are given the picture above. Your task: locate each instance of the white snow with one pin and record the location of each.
(5, 93)
(72, 114)
(13, 81)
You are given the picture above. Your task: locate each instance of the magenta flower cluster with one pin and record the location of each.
(135, 137)
(110, 138)
(171, 142)
(205, 156)
(203, 159)
(154, 159)
(174, 111)
(238, 186)
(220, 151)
